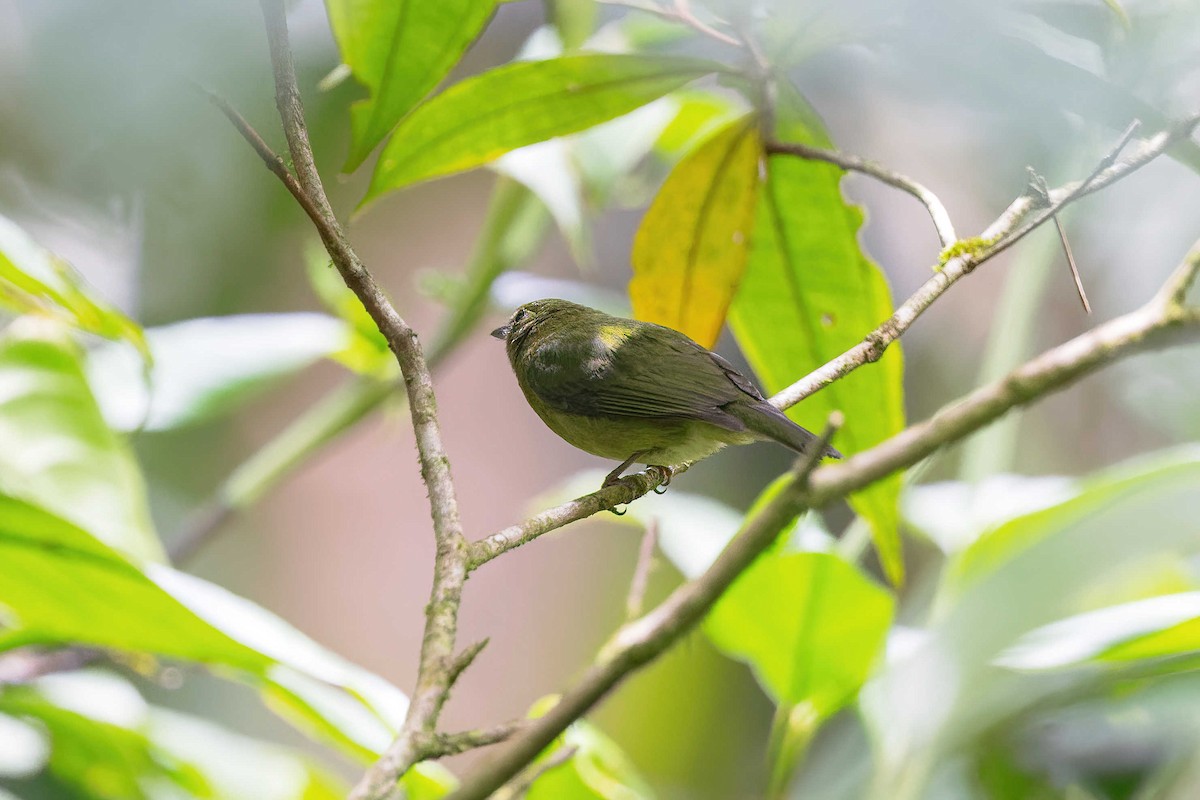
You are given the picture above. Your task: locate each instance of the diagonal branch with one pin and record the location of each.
(937, 211)
(1156, 324)
(1016, 222)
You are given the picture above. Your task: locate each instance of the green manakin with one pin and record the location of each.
(635, 391)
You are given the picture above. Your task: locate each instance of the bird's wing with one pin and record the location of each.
(639, 371)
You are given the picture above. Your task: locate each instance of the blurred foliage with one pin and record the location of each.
(1046, 643)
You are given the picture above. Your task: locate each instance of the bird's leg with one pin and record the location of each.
(666, 481)
(615, 476)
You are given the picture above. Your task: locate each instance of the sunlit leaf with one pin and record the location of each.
(1002, 543)
(100, 759)
(56, 450)
(1120, 539)
(808, 295)
(690, 250)
(62, 586)
(34, 280)
(400, 50)
(207, 367)
(597, 770)
(485, 116)
(105, 737)
(953, 514)
(810, 624)
(574, 20)
(1167, 625)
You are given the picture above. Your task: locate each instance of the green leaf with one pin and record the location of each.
(1156, 627)
(954, 514)
(810, 624)
(56, 451)
(483, 117)
(34, 280)
(690, 250)
(400, 50)
(100, 725)
(999, 545)
(61, 586)
(101, 759)
(808, 295)
(598, 769)
(204, 368)
(574, 20)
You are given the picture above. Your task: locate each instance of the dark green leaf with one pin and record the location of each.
(400, 50)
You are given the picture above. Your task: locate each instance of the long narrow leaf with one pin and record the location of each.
(484, 117)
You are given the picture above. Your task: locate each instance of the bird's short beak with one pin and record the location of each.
(501, 332)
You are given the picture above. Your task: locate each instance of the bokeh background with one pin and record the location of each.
(110, 157)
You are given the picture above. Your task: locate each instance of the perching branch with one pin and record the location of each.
(1012, 225)
(1161, 322)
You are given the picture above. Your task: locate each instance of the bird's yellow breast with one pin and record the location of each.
(661, 441)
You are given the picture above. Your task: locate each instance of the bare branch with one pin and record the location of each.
(521, 784)
(449, 744)
(937, 211)
(640, 641)
(463, 660)
(1174, 291)
(437, 647)
(679, 12)
(641, 572)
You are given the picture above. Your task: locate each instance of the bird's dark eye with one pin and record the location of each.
(520, 316)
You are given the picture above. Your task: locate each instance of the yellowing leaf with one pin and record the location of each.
(808, 295)
(690, 251)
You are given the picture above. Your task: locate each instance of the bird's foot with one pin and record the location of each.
(667, 474)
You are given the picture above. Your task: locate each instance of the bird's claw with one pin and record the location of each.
(622, 512)
(666, 479)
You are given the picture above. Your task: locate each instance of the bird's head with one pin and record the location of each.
(540, 315)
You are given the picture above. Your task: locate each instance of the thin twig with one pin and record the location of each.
(680, 12)
(641, 572)
(437, 646)
(518, 786)
(449, 744)
(1039, 184)
(937, 211)
(1013, 224)
(635, 643)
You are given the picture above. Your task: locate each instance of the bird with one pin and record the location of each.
(636, 392)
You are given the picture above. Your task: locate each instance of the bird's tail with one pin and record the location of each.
(765, 419)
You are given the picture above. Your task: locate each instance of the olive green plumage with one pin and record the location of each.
(635, 391)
